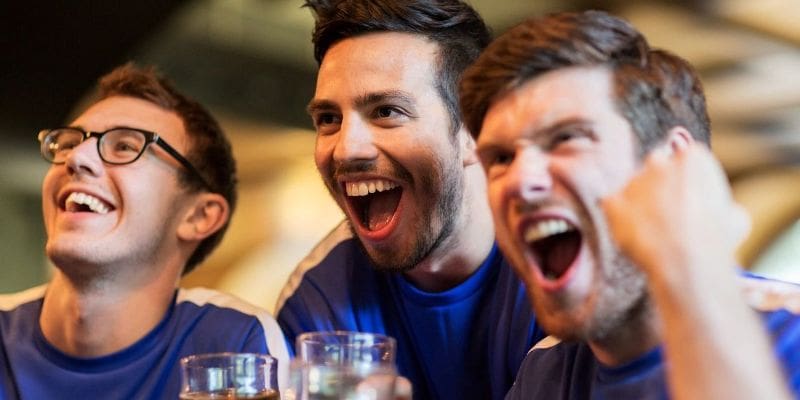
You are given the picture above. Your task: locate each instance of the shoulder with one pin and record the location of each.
(767, 295)
(545, 367)
(231, 309)
(327, 264)
(12, 301)
(227, 313)
(225, 304)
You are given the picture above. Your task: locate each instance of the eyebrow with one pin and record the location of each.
(560, 125)
(379, 97)
(404, 98)
(316, 106)
(543, 132)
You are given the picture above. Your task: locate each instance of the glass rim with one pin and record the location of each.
(227, 355)
(340, 333)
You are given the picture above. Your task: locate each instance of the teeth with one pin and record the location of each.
(92, 202)
(364, 188)
(546, 228)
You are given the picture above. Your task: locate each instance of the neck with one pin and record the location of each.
(636, 337)
(458, 256)
(92, 320)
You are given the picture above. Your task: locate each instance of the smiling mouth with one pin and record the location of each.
(373, 202)
(82, 202)
(555, 244)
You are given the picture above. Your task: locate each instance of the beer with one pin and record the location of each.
(267, 394)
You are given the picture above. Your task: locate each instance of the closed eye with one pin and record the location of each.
(500, 158)
(495, 160)
(568, 137)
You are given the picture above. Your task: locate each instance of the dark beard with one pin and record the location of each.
(446, 210)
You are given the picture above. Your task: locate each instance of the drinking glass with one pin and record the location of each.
(346, 348)
(229, 376)
(343, 365)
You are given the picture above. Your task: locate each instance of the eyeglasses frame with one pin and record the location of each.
(150, 137)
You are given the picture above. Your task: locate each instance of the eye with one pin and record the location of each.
(569, 138)
(62, 145)
(390, 112)
(386, 112)
(504, 158)
(326, 122)
(495, 160)
(126, 146)
(326, 119)
(563, 136)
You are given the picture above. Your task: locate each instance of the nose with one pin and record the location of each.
(530, 176)
(355, 141)
(84, 159)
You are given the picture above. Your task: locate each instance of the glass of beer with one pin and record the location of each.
(229, 376)
(343, 365)
(346, 348)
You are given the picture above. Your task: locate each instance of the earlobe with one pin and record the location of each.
(467, 147)
(208, 214)
(679, 139)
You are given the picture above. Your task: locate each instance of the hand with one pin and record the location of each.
(677, 213)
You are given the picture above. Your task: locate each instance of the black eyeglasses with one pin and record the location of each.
(116, 146)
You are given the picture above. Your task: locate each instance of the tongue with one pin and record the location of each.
(380, 209)
(75, 207)
(557, 253)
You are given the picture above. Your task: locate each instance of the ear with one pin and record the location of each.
(467, 144)
(207, 214)
(678, 139)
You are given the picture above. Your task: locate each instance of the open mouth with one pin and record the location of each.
(373, 202)
(555, 244)
(83, 202)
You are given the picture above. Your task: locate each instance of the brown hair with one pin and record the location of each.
(456, 27)
(655, 90)
(209, 148)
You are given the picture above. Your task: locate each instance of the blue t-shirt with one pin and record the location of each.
(199, 321)
(463, 343)
(556, 370)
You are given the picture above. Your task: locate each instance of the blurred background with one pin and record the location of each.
(250, 62)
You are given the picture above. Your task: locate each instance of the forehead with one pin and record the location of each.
(377, 62)
(574, 93)
(132, 112)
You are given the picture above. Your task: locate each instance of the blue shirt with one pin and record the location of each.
(199, 321)
(556, 370)
(463, 343)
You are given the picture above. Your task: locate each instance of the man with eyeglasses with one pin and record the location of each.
(140, 191)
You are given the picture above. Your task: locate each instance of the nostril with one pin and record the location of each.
(534, 186)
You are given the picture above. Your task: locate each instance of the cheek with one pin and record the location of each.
(500, 213)
(323, 151)
(595, 178)
(496, 200)
(49, 188)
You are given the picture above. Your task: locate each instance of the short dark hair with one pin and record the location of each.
(209, 149)
(456, 27)
(654, 89)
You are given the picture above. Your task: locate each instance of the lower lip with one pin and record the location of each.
(383, 233)
(79, 216)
